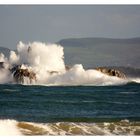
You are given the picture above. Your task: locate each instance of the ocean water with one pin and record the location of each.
(70, 110)
(52, 98)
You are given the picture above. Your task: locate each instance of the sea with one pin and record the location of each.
(70, 110)
(53, 98)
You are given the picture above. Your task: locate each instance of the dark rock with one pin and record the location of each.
(67, 67)
(1, 64)
(111, 72)
(4, 65)
(19, 74)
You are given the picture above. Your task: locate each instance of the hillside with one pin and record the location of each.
(94, 52)
(5, 51)
(102, 51)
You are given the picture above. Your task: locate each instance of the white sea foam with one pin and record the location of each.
(47, 61)
(124, 127)
(137, 80)
(9, 127)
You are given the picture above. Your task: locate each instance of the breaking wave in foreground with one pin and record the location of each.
(124, 127)
(47, 62)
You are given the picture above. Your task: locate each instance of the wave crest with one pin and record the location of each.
(124, 127)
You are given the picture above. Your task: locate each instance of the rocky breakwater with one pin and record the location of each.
(111, 72)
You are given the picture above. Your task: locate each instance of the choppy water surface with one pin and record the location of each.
(70, 110)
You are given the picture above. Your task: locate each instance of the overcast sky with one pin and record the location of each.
(52, 23)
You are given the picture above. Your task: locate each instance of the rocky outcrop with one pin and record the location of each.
(111, 72)
(19, 74)
(2, 65)
(67, 67)
(105, 70)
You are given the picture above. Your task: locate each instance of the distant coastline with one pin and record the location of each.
(98, 51)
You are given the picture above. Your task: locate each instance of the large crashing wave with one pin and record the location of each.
(47, 61)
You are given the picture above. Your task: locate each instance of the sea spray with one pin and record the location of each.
(77, 75)
(5, 76)
(47, 62)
